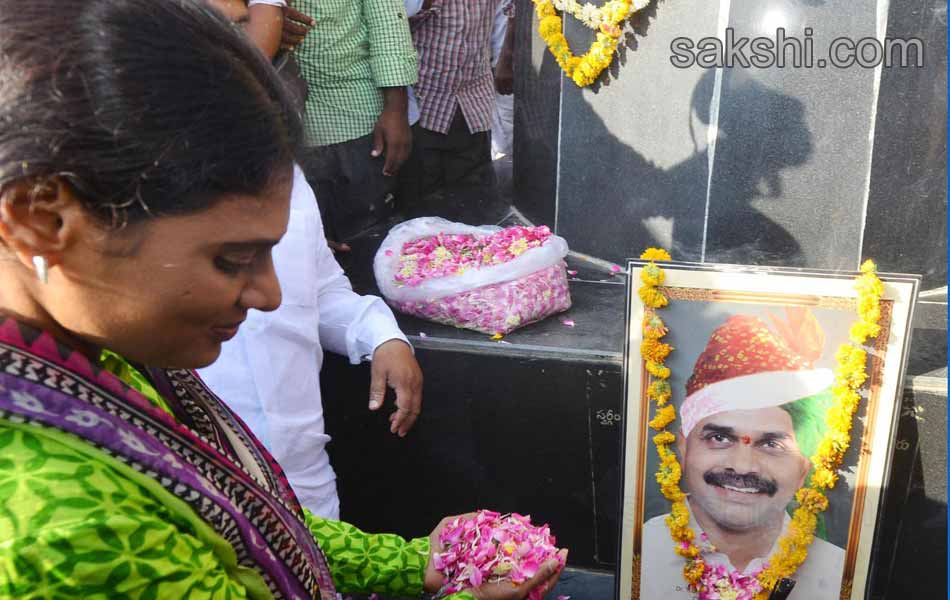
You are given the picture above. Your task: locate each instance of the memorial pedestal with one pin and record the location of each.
(532, 423)
(792, 167)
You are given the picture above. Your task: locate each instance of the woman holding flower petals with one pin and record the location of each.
(133, 242)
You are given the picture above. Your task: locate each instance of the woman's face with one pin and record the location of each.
(169, 291)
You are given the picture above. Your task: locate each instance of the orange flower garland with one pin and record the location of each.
(584, 69)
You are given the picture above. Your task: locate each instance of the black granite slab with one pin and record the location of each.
(907, 204)
(497, 431)
(581, 584)
(913, 528)
(536, 119)
(604, 394)
(633, 165)
(928, 344)
(790, 175)
(532, 423)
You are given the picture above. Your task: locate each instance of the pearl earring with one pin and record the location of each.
(42, 268)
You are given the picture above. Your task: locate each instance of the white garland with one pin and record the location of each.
(596, 16)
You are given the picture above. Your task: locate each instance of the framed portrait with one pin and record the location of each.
(751, 374)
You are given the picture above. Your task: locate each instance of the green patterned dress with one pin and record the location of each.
(78, 521)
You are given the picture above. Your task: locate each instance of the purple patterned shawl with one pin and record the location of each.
(43, 381)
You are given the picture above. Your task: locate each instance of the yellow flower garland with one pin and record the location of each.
(850, 375)
(584, 69)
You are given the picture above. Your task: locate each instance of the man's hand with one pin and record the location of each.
(296, 27)
(391, 136)
(394, 366)
(505, 75)
(505, 68)
(546, 576)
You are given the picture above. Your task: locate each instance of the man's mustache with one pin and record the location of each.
(743, 481)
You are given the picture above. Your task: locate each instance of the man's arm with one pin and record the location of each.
(274, 25)
(427, 6)
(426, 9)
(392, 135)
(393, 63)
(362, 327)
(266, 25)
(504, 67)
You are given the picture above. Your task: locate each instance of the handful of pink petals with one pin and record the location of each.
(490, 548)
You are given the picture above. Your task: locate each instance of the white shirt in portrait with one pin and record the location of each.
(661, 569)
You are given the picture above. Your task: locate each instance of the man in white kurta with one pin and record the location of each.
(270, 372)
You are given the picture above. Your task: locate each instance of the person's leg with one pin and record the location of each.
(466, 160)
(368, 195)
(409, 191)
(502, 125)
(321, 166)
(433, 149)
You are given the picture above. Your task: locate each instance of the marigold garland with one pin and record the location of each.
(595, 17)
(585, 69)
(653, 326)
(850, 376)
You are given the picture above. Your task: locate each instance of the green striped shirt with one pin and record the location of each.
(355, 48)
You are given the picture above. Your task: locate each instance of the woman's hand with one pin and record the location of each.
(546, 577)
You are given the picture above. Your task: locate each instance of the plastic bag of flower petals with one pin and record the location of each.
(489, 279)
(490, 548)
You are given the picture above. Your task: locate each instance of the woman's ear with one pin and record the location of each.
(40, 219)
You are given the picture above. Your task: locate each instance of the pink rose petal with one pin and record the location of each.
(568, 322)
(492, 548)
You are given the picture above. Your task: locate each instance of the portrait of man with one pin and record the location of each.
(753, 415)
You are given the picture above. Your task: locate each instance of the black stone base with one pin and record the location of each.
(531, 423)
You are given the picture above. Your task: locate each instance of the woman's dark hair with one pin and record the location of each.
(144, 106)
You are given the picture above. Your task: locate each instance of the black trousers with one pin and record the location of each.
(443, 161)
(352, 192)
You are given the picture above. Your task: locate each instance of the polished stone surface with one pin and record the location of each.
(755, 166)
(789, 177)
(499, 431)
(537, 111)
(528, 423)
(907, 206)
(913, 531)
(633, 166)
